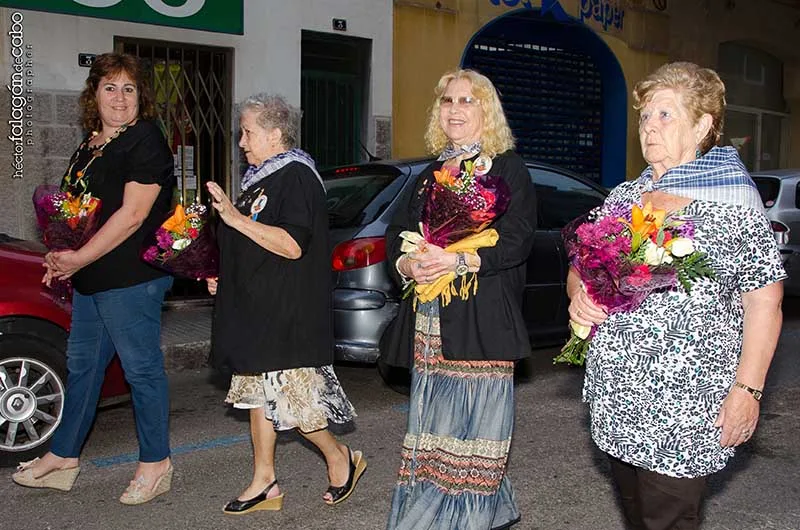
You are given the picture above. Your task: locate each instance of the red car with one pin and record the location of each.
(34, 324)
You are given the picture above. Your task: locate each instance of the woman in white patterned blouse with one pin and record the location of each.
(674, 385)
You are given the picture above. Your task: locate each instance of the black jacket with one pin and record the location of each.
(274, 313)
(489, 325)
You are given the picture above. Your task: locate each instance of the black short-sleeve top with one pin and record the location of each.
(274, 313)
(138, 154)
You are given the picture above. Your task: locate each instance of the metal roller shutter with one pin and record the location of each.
(552, 97)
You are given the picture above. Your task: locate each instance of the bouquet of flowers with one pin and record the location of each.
(455, 217)
(66, 221)
(625, 255)
(184, 245)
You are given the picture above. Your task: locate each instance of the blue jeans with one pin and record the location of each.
(128, 321)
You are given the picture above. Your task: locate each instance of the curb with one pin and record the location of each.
(187, 356)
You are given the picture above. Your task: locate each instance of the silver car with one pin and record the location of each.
(361, 201)
(780, 193)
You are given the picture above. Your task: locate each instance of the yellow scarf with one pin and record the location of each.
(444, 286)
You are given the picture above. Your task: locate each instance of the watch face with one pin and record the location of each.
(461, 270)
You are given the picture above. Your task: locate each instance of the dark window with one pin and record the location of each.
(768, 188)
(357, 197)
(561, 198)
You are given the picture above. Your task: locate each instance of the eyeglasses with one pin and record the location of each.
(464, 101)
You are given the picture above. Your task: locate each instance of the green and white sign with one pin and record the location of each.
(222, 16)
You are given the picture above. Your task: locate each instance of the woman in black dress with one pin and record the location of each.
(272, 318)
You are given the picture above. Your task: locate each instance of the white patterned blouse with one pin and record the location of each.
(656, 376)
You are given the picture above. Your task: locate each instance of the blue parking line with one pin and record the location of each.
(181, 449)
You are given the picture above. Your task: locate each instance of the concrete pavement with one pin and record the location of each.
(559, 477)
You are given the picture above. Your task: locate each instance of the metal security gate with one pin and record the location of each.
(192, 86)
(192, 89)
(552, 98)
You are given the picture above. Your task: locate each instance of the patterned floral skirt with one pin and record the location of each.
(454, 455)
(300, 398)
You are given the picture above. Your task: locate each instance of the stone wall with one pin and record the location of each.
(383, 137)
(56, 133)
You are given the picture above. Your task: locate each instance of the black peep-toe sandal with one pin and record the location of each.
(259, 502)
(357, 466)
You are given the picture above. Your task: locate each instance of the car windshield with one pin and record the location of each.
(354, 195)
(768, 188)
(561, 198)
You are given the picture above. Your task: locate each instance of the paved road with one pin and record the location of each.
(560, 479)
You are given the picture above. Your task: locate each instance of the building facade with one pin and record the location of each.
(565, 70)
(334, 58)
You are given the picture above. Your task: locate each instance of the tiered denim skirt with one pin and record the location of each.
(454, 456)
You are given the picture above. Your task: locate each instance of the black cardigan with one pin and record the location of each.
(489, 325)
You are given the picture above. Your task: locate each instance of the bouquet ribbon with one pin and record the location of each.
(444, 286)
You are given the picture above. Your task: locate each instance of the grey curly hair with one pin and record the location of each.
(273, 111)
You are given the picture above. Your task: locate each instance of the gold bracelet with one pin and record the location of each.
(757, 394)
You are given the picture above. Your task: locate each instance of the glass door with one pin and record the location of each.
(758, 136)
(740, 132)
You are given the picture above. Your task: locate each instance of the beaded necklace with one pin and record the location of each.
(97, 152)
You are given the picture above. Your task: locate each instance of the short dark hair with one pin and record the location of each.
(111, 65)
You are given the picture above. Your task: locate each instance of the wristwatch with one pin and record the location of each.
(461, 264)
(753, 392)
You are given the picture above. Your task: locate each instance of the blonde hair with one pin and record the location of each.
(700, 89)
(496, 135)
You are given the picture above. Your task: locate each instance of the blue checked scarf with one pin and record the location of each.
(717, 176)
(269, 166)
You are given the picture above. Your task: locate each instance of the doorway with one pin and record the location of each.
(334, 93)
(562, 90)
(192, 88)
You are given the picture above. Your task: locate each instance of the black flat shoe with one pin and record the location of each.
(340, 493)
(259, 502)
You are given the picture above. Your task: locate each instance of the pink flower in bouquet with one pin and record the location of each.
(150, 254)
(640, 276)
(163, 238)
(489, 198)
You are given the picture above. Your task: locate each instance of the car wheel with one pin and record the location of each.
(398, 379)
(32, 381)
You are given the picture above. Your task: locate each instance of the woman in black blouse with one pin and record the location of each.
(461, 353)
(272, 317)
(116, 306)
